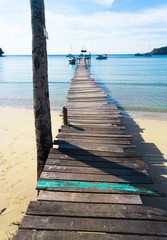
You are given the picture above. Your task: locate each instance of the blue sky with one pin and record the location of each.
(102, 26)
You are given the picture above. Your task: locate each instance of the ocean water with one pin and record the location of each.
(133, 83)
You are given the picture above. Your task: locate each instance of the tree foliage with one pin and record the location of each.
(1, 52)
(159, 51)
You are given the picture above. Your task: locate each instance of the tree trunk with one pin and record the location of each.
(40, 85)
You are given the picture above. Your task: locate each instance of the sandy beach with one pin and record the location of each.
(18, 161)
(18, 165)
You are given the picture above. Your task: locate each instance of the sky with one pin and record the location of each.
(100, 26)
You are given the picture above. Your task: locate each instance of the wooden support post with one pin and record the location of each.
(65, 117)
(40, 84)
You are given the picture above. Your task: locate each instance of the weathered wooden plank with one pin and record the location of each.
(89, 197)
(93, 120)
(102, 147)
(87, 99)
(50, 235)
(104, 164)
(94, 131)
(100, 100)
(96, 125)
(86, 95)
(94, 153)
(50, 208)
(94, 187)
(86, 106)
(92, 135)
(140, 227)
(92, 141)
(93, 128)
(92, 170)
(94, 158)
(95, 115)
(88, 85)
(83, 91)
(95, 111)
(96, 178)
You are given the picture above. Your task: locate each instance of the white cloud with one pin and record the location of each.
(104, 2)
(110, 31)
(116, 32)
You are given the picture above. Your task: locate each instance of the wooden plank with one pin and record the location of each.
(108, 129)
(95, 111)
(86, 95)
(89, 197)
(50, 235)
(96, 178)
(82, 91)
(94, 117)
(97, 128)
(95, 225)
(102, 147)
(88, 100)
(92, 135)
(86, 106)
(92, 170)
(94, 158)
(91, 140)
(94, 153)
(95, 187)
(93, 131)
(96, 125)
(50, 208)
(93, 120)
(104, 164)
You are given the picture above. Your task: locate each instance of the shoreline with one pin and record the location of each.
(128, 113)
(18, 160)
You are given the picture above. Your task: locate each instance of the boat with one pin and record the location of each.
(69, 55)
(102, 56)
(85, 54)
(72, 60)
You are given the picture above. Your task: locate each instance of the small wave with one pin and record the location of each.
(143, 109)
(133, 84)
(31, 82)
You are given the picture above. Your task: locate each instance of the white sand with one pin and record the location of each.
(18, 160)
(150, 138)
(18, 165)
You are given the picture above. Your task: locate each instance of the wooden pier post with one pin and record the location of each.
(65, 117)
(40, 84)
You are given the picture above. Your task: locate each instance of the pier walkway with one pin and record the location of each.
(91, 185)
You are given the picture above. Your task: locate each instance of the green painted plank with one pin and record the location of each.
(76, 184)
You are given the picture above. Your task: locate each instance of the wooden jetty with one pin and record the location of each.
(91, 185)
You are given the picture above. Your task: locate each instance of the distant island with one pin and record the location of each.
(1, 52)
(155, 51)
(159, 51)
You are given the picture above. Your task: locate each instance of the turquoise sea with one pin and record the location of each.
(133, 83)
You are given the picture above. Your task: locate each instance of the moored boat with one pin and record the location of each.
(102, 56)
(72, 60)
